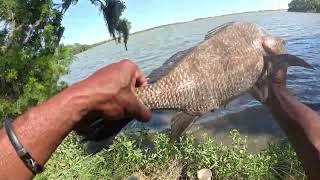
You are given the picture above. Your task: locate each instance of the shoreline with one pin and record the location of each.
(182, 22)
(203, 18)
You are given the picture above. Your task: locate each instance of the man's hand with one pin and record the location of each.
(111, 91)
(276, 79)
(108, 92)
(300, 123)
(111, 96)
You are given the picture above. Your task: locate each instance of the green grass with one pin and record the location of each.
(129, 156)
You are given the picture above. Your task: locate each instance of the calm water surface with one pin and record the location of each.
(151, 48)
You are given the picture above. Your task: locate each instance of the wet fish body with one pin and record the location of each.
(227, 64)
(203, 78)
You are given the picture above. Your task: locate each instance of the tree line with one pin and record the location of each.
(304, 6)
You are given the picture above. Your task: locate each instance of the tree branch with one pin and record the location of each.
(31, 29)
(99, 1)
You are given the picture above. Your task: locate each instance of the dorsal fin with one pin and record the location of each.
(216, 30)
(174, 60)
(168, 65)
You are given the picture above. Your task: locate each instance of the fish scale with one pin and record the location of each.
(225, 65)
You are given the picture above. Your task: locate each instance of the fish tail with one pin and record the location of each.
(260, 89)
(292, 60)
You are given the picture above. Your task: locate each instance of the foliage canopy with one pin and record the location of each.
(304, 6)
(31, 57)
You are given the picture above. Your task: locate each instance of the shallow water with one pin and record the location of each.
(150, 49)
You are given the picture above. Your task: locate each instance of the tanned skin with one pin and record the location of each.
(300, 123)
(42, 128)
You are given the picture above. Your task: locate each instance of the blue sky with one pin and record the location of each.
(84, 23)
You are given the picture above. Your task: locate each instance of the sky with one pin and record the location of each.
(84, 23)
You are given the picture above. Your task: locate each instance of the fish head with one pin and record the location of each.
(274, 45)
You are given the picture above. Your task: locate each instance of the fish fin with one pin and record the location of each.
(216, 30)
(290, 60)
(168, 65)
(180, 122)
(260, 89)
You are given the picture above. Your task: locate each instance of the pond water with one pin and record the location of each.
(151, 48)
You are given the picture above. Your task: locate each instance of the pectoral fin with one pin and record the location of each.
(180, 122)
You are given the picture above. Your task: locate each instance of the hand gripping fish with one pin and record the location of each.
(229, 62)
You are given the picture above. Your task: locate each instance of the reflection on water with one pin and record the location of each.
(151, 48)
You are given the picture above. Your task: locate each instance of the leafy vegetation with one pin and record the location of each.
(78, 48)
(31, 57)
(304, 6)
(163, 160)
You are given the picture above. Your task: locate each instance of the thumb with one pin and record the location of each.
(142, 113)
(138, 109)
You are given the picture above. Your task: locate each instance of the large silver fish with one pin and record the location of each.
(229, 62)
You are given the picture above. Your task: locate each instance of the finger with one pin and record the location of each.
(140, 78)
(138, 109)
(134, 72)
(128, 66)
(270, 45)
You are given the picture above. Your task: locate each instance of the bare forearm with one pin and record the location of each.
(302, 126)
(40, 131)
(108, 92)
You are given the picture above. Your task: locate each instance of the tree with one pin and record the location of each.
(31, 59)
(112, 11)
(304, 6)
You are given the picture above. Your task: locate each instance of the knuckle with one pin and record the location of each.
(127, 62)
(128, 65)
